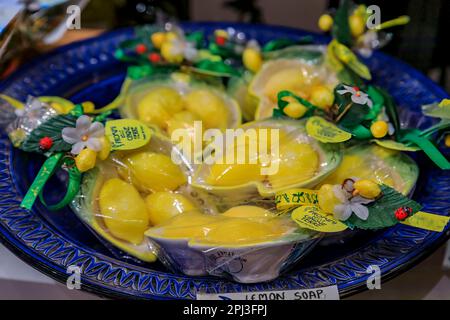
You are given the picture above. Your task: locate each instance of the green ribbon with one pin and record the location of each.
(72, 189)
(413, 136)
(278, 44)
(218, 68)
(47, 170)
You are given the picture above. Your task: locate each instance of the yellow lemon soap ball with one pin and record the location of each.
(322, 97)
(209, 107)
(247, 212)
(239, 231)
(123, 210)
(162, 206)
(154, 172)
(297, 162)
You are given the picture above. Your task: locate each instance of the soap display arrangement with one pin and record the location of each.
(312, 149)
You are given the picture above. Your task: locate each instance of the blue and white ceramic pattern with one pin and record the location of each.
(52, 241)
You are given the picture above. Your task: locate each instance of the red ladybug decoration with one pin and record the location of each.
(402, 213)
(221, 41)
(154, 57)
(141, 48)
(45, 143)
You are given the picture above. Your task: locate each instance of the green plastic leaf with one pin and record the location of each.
(348, 76)
(341, 28)
(349, 114)
(438, 110)
(51, 128)
(382, 211)
(295, 52)
(217, 68)
(394, 145)
(196, 38)
(278, 44)
(347, 57)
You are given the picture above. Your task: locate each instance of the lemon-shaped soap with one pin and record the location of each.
(189, 225)
(233, 174)
(123, 210)
(209, 107)
(297, 162)
(292, 80)
(247, 212)
(241, 231)
(159, 104)
(154, 172)
(182, 120)
(162, 206)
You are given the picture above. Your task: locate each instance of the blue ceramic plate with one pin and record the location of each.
(51, 241)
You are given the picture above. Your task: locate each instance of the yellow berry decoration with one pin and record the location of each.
(367, 188)
(357, 25)
(379, 129)
(327, 198)
(325, 22)
(322, 97)
(295, 110)
(171, 52)
(106, 148)
(447, 141)
(252, 59)
(86, 159)
(158, 39)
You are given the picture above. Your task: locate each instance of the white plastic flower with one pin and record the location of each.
(185, 48)
(358, 96)
(85, 134)
(350, 205)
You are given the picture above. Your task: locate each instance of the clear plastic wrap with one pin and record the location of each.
(143, 204)
(296, 69)
(269, 156)
(176, 101)
(379, 164)
(247, 243)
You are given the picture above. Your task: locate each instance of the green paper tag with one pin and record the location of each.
(324, 131)
(127, 134)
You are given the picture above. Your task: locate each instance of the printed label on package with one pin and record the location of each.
(325, 293)
(127, 134)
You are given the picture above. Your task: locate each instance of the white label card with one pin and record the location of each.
(325, 293)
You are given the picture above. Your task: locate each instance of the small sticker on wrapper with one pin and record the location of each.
(127, 134)
(313, 218)
(325, 293)
(427, 221)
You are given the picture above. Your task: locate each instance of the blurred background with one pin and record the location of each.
(422, 43)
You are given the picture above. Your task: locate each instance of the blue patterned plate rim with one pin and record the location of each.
(39, 244)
